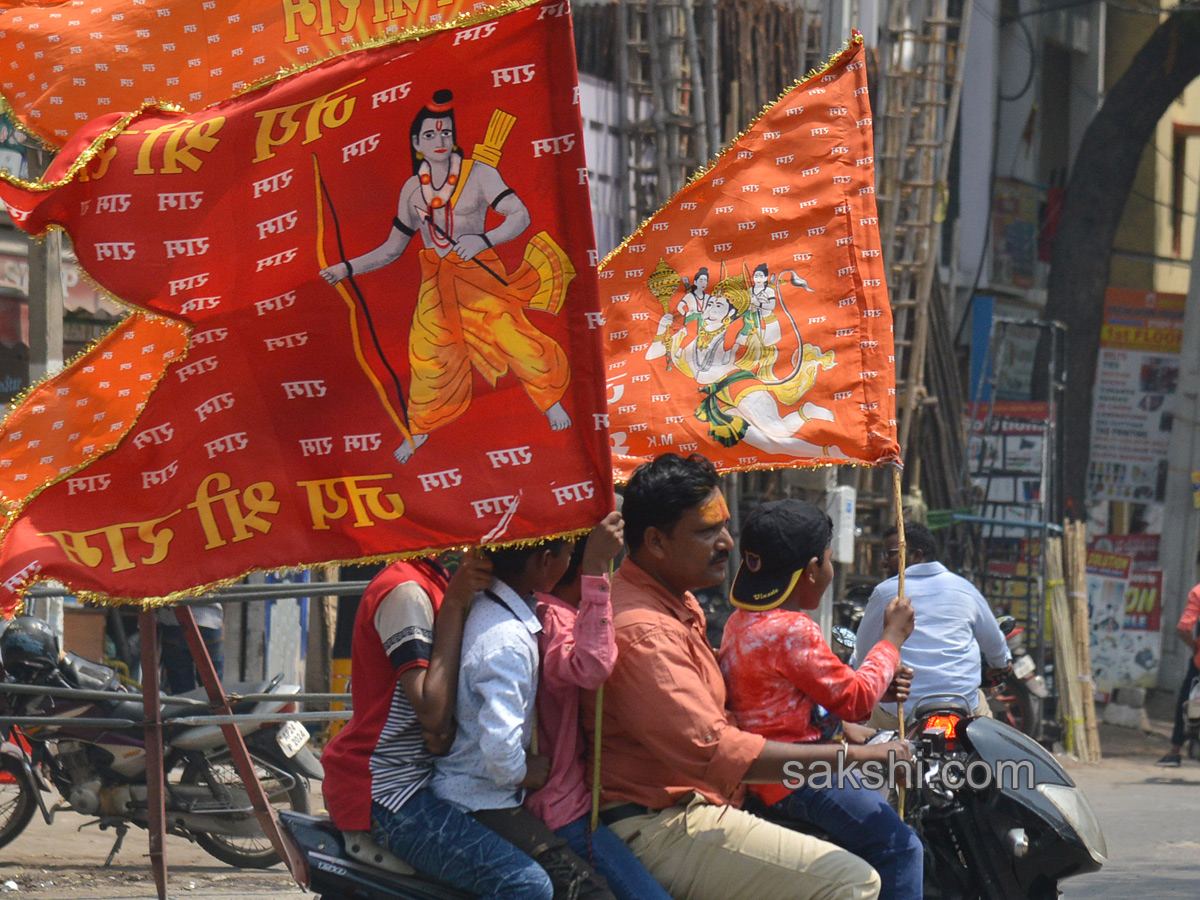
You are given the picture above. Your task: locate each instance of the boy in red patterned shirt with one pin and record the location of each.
(786, 684)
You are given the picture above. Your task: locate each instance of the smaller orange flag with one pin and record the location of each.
(748, 319)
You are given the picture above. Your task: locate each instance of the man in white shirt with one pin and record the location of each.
(954, 624)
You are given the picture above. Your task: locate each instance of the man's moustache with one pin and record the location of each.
(720, 558)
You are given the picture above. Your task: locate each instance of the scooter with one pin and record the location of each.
(1014, 838)
(100, 770)
(999, 817)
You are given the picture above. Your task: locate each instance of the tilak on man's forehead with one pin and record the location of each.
(714, 511)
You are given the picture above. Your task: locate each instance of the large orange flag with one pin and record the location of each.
(748, 319)
(66, 63)
(365, 295)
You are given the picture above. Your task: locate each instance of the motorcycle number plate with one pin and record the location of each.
(1023, 667)
(291, 737)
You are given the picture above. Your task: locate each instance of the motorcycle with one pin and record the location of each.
(1019, 697)
(1009, 837)
(100, 770)
(1014, 837)
(847, 616)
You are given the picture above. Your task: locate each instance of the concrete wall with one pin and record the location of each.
(1135, 242)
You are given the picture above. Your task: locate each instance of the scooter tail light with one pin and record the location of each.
(947, 723)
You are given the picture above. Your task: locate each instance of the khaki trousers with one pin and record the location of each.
(886, 721)
(698, 851)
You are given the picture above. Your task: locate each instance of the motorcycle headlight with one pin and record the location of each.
(1076, 809)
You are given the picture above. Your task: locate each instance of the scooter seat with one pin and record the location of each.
(934, 703)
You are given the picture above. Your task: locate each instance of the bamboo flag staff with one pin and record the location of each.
(901, 547)
(596, 759)
(596, 742)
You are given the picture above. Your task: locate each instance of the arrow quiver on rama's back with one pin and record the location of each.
(554, 268)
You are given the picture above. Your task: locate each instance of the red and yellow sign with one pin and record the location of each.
(380, 339)
(748, 319)
(68, 63)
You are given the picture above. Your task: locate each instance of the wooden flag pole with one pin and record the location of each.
(901, 546)
(595, 822)
(596, 759)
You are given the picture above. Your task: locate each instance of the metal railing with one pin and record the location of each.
(82, 694)
(241, 593)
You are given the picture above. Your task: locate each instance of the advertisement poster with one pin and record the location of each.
(1128, 655)
(1014, 232)
(1142, 635)
(1141, 548)
(1005, 456)
(1137, 373)
(1107, 584)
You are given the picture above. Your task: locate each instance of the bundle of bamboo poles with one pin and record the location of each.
(1067, 586)
(1075, 556)
(1066, 667)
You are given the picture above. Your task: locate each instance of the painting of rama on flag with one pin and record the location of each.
(748, 319)
(364, 293)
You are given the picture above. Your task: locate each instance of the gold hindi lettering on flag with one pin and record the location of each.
(748, 319)
(118, 54)
(362, 327)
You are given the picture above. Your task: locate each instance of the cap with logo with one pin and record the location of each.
(778, 539)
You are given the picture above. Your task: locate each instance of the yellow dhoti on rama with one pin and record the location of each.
(466, 319)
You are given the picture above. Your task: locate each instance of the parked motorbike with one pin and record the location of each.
(1020, 696)
(1016, 835)
(847, 616)
(101, 771)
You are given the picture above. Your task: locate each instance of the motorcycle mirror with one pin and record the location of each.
(845, 637)
(1007, 624)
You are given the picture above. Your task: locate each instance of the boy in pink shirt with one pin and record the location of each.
(578, 651)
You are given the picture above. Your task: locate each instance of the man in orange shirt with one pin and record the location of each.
(674, 762)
